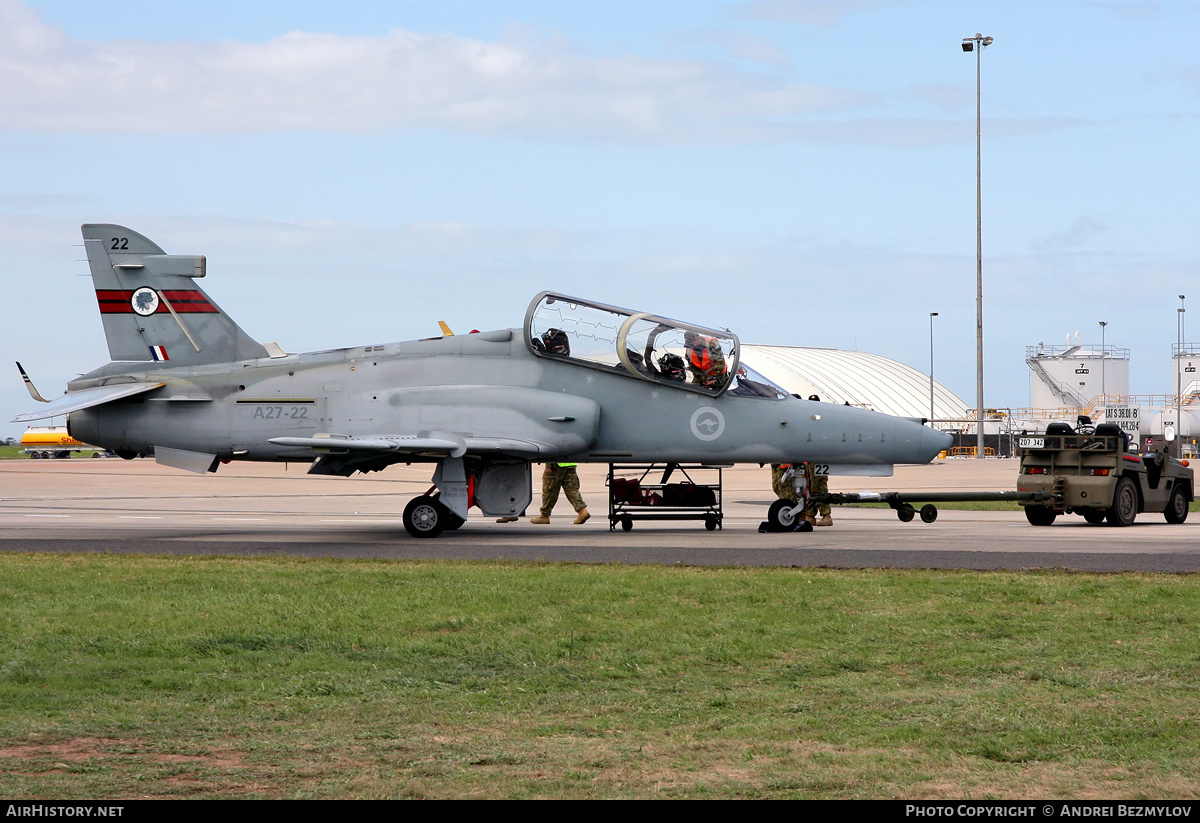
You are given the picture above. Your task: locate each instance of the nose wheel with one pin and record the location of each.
(787, 516)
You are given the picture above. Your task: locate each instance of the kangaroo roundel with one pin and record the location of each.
(707, 423)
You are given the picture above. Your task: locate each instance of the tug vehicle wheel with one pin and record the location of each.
(1124, 504)
(1040, 515)
(1177, 509)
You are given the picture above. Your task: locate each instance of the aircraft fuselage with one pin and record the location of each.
(480, 385)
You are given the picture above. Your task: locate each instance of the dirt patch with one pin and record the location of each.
(113, 750)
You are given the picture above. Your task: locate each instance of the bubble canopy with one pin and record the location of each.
(636, 344)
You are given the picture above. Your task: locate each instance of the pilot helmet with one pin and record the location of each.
(671, 367)
(814, 398)
(556, 342)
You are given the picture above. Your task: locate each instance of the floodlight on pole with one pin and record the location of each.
(1103, 363)
(977, 45)
(932, 315)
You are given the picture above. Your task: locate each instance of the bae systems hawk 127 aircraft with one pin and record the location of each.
(578, 382)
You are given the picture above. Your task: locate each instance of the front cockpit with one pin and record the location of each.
(643, 346)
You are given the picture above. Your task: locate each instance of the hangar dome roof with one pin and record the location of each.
(862, 379)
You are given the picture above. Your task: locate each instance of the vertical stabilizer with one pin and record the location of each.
(152, 308)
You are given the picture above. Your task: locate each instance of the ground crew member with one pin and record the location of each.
(781, 481)
(819, 484)
(561, 476)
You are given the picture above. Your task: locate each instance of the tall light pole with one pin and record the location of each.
(1179, 382)
(1103, 365)
(932, 315)
(977, 44)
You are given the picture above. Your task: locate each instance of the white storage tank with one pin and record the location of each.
(1073, 376)
(1185, 379)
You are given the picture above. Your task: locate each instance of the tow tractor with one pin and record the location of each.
(1088, 471)
(1091, 472)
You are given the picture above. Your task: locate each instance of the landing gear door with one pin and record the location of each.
(504, 489)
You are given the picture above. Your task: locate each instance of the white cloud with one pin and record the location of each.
(368, 84)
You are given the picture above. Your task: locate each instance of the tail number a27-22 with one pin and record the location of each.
(280, 413)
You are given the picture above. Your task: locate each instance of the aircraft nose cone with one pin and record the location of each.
(934, 441)
(917, 443)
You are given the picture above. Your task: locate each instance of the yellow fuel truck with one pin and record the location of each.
(45, 442)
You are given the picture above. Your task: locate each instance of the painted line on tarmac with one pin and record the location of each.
(357, 520)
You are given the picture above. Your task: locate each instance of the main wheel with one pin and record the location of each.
(781, 515)
(906, 513)
(1094, 516)
(1124, 506)
(424, 516)
(626, 523)
(1177, 509)
(1040, 515)
(929, 513)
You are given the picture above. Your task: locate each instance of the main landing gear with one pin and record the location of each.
(425, 516)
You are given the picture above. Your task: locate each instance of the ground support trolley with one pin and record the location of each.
(645, 491)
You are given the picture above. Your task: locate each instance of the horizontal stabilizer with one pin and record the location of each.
(33, 392)
(86, 399)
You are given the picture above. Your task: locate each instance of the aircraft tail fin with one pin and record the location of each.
(151, 306)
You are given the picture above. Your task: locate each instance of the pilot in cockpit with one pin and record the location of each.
(706, 361)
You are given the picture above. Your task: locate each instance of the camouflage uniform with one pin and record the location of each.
(706, 361)
(560, 476)
(818, 484)
(780, 483)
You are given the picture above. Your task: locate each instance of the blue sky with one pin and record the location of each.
(802, 172)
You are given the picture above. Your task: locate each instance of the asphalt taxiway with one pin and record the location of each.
(108, 505)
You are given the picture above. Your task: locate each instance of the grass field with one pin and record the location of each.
(125, 677)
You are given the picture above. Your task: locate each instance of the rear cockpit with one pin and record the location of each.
(644, 346)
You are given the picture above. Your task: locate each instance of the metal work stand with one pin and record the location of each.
(645, 492)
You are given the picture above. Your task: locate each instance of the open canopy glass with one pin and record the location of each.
(640, 345)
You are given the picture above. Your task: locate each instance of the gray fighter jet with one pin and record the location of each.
(579, 382)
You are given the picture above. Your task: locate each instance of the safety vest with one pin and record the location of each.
(699, 355)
